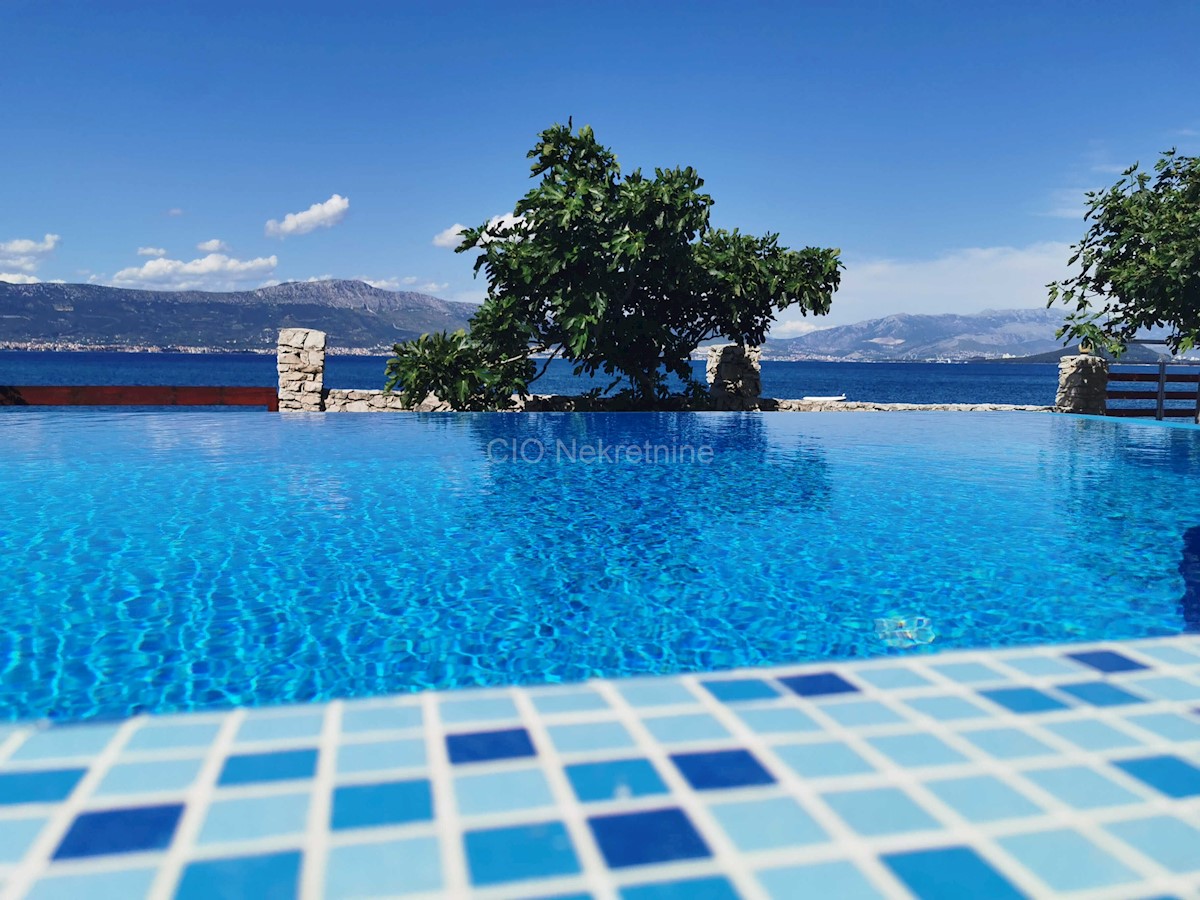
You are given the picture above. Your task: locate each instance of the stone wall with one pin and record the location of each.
(1082, 385)
(300, 362)
(337, 400)
(734, 375)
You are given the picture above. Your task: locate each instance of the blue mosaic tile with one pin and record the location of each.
(271, 876)
(892, 677)
(281, 727)
(1107, 661)
(502, 791)
(357, 719)
(614, 780)
(714, 888)
(582, 700)
(945, 872)
(477, 709)
(768, 824)
(111, 831)
(1092, 734)
(150, 776)
(859, 713)
(1042, 666)
(254, 768)
(1169, 775)
(589, 736)
(386, 803)
(983, 798)
(969, 672)
(1169, 725)
(43, 786)
(877, 811)
(818, 684)
(124, 884)
(914, 750)
(486, 746)
(1100, 693)
(1081, 787)
(1170, 842)
(173, 734)
(1066, 860)
(947, 708)
(1023, 700)
(641, 838)
(721, 769)
(1175, 656)
(1164, 688)
(499, 855)
(252, 818)
(825, 759)
(827, 879)
(1007, 743)
(685, 728)
(383, 868)
(374, 756)
(17, 835)
(777, 719)
(65, 741)
(654, 693)
(731, 691)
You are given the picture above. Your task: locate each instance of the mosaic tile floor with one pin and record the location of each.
(1039, 772)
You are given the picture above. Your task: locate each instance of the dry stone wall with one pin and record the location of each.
(300, 362)
(734, 375)
(1082, 385)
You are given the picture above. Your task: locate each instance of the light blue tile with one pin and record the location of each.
(1171, 726)
(389, 868)
(1043, 666)
(173, 735)
(152, 775)
(1066, 860)
(682, 729)
(829, 879)
(251, 818)
(826, 759)
(1092, 734)
(16, 836)
(1007, 743)
(777, 720)
(892, 677)
(768, 824)
(478, 709)
(1170, 842)
(982, 798)
(1081, 787)
(65, 741)
(124, 884)
(357, 718)
(374, 756)
(589, 736)
(1175, 656)
(281, 727)
(1164, 688)
(913, 750)
(502, 792)
(947, 708)
(969, 672)
(860, 713)
(654, 693)
(878, 811)
(569, 701)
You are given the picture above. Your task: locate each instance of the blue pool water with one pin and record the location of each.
(173, 560)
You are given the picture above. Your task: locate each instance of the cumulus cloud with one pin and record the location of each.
(963, 281)
(25, 254)
(19, 278)
(319, 215)
(151, 251)
(449, 237)
(215, 272)
(174, 211)
(213, 246)
(452, 236)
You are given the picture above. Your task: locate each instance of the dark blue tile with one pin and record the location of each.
(614, 779)
(46, 786)
(120, 831)
(712, 888)
(1171, 775)
(1107, 661)
(284, 765)
(1023, 700)
(641, 838)
(274, 876)
(944, 874)
(524, 851)
(740, 689)
(818, 684)
(483, 746)
(387, 803)
(721, 769)
(1100, 693)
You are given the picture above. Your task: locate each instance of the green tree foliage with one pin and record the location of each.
(1139, 260)
(619, 275)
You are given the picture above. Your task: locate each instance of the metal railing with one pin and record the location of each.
(1170, 385)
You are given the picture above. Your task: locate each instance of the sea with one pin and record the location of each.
(897, 382)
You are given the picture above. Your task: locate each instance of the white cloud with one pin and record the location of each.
(1067, 203)
(26, 254)
(311, 279)
(384, 284)
(319, 215)
(19, 278)
(174, 211)
(450, 237)
(151, 251)
(962, 281)
(213, 246)
(214, 272)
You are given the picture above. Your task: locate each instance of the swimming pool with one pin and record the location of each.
(176, 560)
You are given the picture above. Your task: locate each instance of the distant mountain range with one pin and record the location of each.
(82, 316)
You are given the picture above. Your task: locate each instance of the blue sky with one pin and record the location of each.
(944, 147)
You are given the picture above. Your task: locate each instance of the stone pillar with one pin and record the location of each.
(734, 375)
(1082, 385)
(300, 361)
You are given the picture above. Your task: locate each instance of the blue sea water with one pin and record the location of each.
(187, 559)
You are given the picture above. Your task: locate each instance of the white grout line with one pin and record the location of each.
(320, 805)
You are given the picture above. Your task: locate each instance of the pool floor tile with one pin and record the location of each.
(916, 750)
(1170, 775)
(110, 831)
(1169, 841)
(502, 791)
(616, 779)
(642, 838)
(768, 824)
(714, 888)
(1007, 743)
(1100, 693)
(841, 879)
(40, 786)
(257, 768)
(878, 811)
(1066, 860)
(253, 818)
(777, 720)
(947, 708)
(17, 835)
(721, 769)
(1092, 734)
(500, 855)
(1080, 787)
(65, 741)
(685, 728)
(735, 690)
(488, 746)
(270, 876)
(358, 718)
(374, 756)
(385, 803)
(356, 871)
(983, 798)
(824, 759)
(589, 736)
(1023, 700)
(945, 873)
(819, 684)
(150, 776)
(123, 884)
(1107, 661)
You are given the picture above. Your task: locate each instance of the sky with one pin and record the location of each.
(944, 147)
